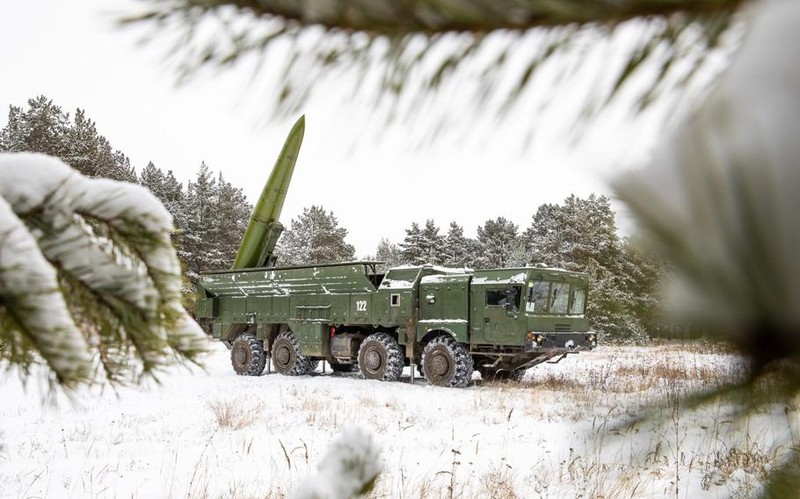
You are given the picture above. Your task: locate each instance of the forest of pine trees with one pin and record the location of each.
(209, 213)
(210, 216)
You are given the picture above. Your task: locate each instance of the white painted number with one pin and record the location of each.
(361, 306)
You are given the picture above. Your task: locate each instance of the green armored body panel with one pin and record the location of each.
(449, 322)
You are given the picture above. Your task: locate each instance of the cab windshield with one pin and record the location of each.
(555, 298)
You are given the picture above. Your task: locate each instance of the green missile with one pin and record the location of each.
(259, 240)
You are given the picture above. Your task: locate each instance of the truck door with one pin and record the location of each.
(496, 310)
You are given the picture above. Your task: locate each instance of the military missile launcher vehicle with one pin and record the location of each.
(447, 322)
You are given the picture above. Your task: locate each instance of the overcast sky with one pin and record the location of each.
(374, 179)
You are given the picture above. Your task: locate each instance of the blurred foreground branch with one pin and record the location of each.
(88, 276)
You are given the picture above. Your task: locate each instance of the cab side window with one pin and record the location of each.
(503, 297)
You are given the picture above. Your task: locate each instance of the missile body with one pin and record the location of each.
(259, 240)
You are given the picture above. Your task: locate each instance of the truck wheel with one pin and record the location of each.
(287, 358)
(247, 355)
(380, 357)
(447, 363)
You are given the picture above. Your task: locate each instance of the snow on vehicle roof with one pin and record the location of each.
(517, 278)
(442, 278)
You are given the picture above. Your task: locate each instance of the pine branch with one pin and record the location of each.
(107, 269)
(394, 17)
(402, 53)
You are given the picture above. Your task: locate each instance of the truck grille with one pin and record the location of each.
(562, 327)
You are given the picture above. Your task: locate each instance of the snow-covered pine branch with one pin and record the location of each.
(88, 275)
(348, 469)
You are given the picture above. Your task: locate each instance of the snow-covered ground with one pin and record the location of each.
(560, 433)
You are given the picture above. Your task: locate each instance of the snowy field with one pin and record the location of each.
(559, 433)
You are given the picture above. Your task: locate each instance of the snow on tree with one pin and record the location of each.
(195, 246)
(389, 253)
(209, 217)
(314, 237)
(410, 248)
(348, 469)
(498, 244)
(422, 246)
(581, 235)
(231, 216)
(166, 188)
(45, 128)
(213, 215)
(152, 179)
(88, 276)
(40, 128)
(91, 154)
(433, 247)
(459, 250)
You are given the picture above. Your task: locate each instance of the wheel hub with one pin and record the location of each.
(282, 356)
(240, 356)
(373, 360)
(439, 365)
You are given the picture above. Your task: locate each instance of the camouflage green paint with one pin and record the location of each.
(429, 300)
(264, 229)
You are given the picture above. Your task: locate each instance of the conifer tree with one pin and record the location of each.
(425, 245)
(410, 248)
(433, 245)
(195, 243)
(152, 178)
(172, 195)
(231, 216)
(314, 237)
(169, 191)
(459, 250)
(44, 127)
(581, 235)
(389, 253)
(497, 243)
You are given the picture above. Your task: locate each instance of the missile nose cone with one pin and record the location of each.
(299, 126)
(295, 138)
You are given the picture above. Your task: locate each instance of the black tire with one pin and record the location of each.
(380, 357)
(247, 355)
(287, 357)
(342, 368)
(447, 363)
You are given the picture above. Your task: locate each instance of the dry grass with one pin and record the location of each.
(661, 459)
(565, 431)
(232, 415)
(498, 484)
